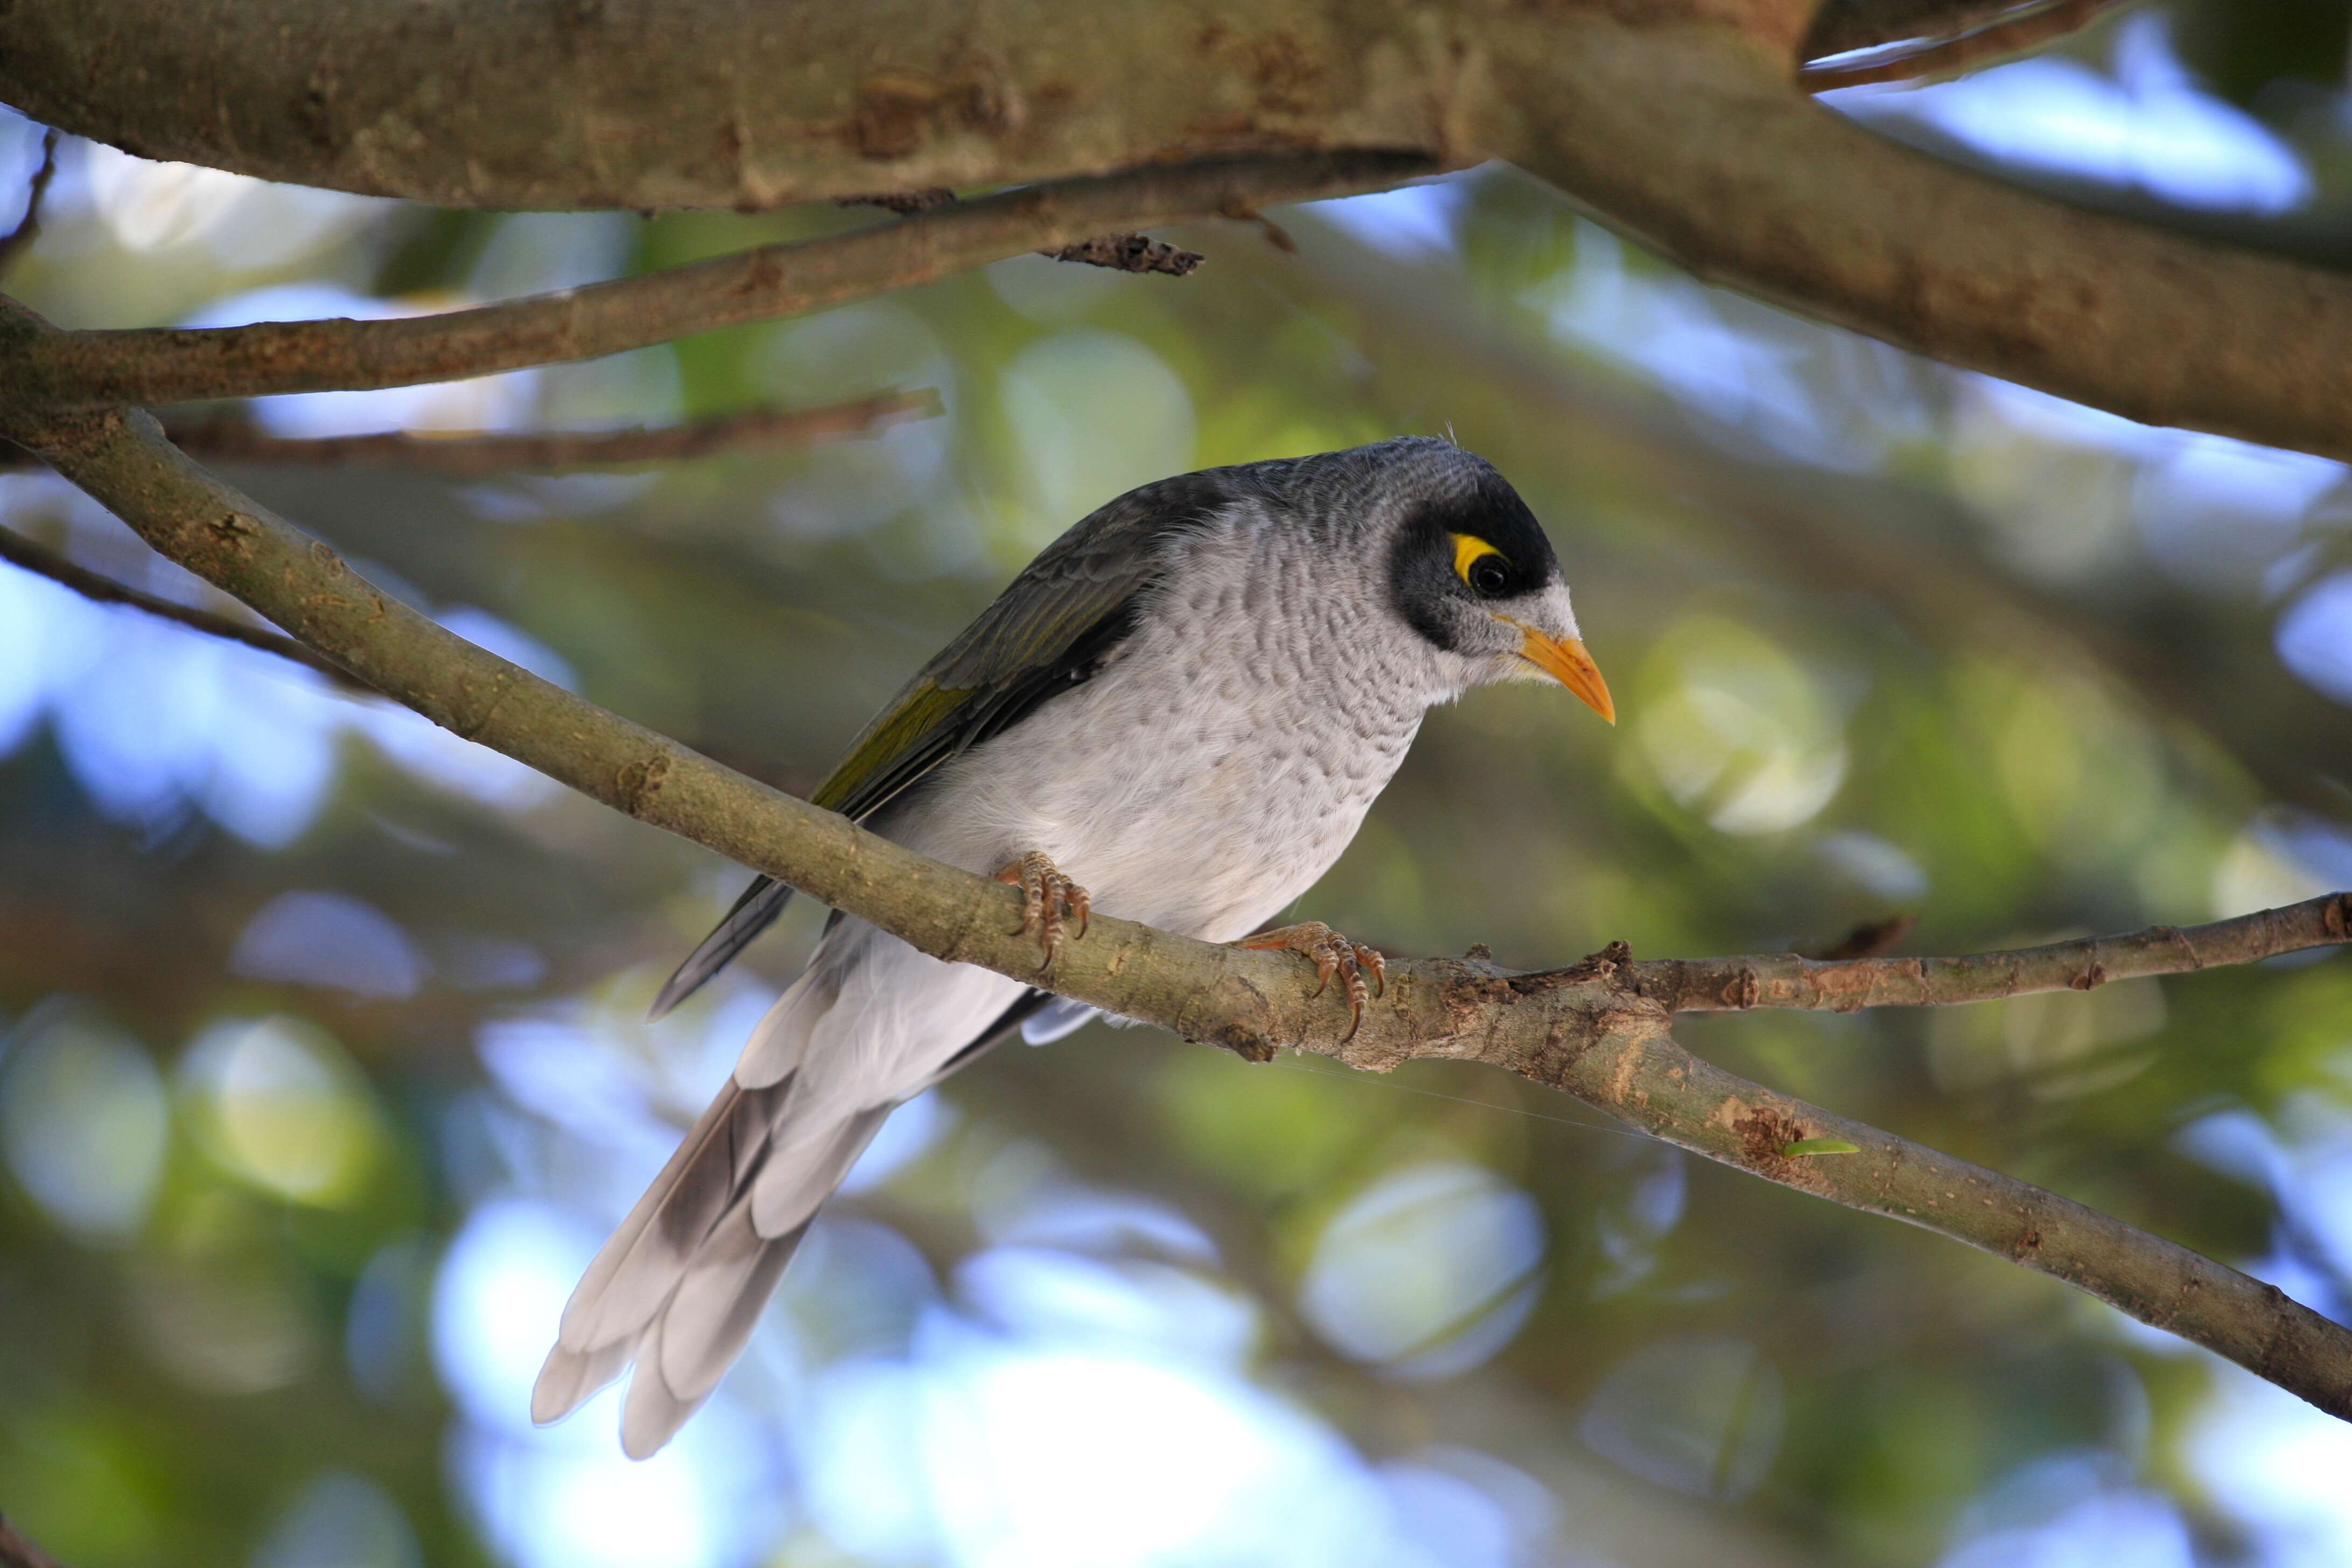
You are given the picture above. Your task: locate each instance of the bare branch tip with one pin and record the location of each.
(1977, 32)
(16, 1551)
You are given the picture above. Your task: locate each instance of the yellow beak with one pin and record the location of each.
(1565, 660)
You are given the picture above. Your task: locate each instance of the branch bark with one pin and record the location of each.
(163, 365)
(1847, 986)
(648, 104)
(1674, 121)
(1716, 165)
(1589, 1030)
(238, 440)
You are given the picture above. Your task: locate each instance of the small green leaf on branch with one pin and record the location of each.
(1804, 1146)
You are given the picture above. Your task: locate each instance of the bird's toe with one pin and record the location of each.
(1049, 900)
(1331, 953)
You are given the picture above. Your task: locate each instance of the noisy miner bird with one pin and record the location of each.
(1180, 712)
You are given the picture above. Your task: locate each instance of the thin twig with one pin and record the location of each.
(16, 1551)
(236, 439)
(1845, 985)
(2012, 31)
(1596, 1035)
(1120, 252)
(28, 227)
(903, 203)
(43, 562)
(162, 365)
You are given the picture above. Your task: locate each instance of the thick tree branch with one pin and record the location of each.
(1674, 121)
(1846, 985)
(1716, 165)
(1589, 1030)
(176, 366)
(648, 104)
(43, 562)
(236, 439)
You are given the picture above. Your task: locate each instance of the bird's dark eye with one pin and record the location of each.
(1481, 565)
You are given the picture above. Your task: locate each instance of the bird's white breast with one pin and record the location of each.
(1215, 769)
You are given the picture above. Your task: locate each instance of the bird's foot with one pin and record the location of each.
(1051, 897)
(1333, 954)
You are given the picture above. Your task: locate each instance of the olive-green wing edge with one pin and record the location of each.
(1078, 595)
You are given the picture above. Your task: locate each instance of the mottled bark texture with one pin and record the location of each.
(1589, 1030)
(1677, 122)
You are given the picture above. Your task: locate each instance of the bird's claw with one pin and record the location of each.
(1333, 954)
(1049, 899)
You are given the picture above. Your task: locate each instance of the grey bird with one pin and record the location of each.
(1180, 711)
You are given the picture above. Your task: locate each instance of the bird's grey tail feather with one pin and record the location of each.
(722, 1291)
(679, 1286)
(754, 912)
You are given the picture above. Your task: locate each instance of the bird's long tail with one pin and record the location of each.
(680, 1286)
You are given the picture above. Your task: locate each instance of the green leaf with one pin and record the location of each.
(1804, 1146)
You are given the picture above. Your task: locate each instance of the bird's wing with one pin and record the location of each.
(1054, 625)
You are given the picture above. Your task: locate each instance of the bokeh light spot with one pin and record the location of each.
(83, 1118)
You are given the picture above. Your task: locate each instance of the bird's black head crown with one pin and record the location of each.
(1461, 538)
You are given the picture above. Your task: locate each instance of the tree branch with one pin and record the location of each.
(1118, 252)
(16, 1551)
(1850, 27)
(236, 439)
(1975, 39)
(1690, 139)
(1846, 985)
(1662, 117)
(1589, 1031)
(43, 562)
(28, 227)
(181, 365)
(649, 104)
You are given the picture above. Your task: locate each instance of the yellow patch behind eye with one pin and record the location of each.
(1468, 550)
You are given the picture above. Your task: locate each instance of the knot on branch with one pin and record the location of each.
(1130, 253)
(640, 782)
(232, 534)
(1244, 1042)
(1764, 1132)
(902, 202)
